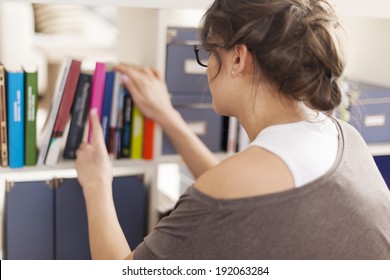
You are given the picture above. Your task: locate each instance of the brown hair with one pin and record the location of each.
(293, 43)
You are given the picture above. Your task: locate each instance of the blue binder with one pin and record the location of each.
(15, 97)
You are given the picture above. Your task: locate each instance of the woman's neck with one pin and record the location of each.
(270, 108)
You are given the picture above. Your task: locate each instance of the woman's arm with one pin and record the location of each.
(94, 172)
(150, 94)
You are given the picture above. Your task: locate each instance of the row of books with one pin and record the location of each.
(127, 133)
(18, 105)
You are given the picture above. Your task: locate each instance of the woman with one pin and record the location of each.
(306, 187)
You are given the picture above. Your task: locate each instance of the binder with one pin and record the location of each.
(15, 98)
(3, 119)
(31, 107)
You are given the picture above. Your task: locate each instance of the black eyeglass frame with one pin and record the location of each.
(197, 49)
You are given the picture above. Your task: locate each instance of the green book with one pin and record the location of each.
(31, 106)
(137, 134)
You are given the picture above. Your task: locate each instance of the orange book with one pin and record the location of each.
(148, 139)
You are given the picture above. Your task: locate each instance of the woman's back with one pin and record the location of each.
(341, 215)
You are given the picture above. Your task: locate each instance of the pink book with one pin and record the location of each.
(99, 78)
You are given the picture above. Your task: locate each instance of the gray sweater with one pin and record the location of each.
(344, 214)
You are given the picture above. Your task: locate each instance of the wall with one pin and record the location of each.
(368, 49)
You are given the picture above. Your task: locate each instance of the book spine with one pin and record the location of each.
(98, 82)
(126, 127)
(31, 107)
(114, 116)
(119, 122)
(79, 115)
(137, 133)
(232, 135)
(243, 139)
(3, 119)
(16, 119)
(107, 105)
(57, 97)
(63, 113)
(148, 147)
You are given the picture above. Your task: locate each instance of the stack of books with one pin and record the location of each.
(18, 105)
(127, 133)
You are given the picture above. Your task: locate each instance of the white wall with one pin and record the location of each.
(368, 49)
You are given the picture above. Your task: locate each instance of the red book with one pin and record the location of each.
(97, 95)
(63, 113)
(148, 139)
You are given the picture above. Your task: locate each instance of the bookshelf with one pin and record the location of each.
(142, 26)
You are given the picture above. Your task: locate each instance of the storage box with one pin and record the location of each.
(202, 119)
(186, 79)
(371, 115)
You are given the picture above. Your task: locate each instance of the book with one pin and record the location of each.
(119, 122)
(31, 107)
(137, 133)
(3, 119)
(97, 94)
(54, 150)
(148, 146)
(232, 135)
(126, 125)
(50, 122)
(112, 145)
(107, 104)
(243, 139)
(80, 110)
(15, 99)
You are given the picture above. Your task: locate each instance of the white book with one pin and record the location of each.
(114, 115)
(232, 135)
(51, 119)
(243, 139)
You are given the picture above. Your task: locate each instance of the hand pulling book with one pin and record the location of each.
(57, 97)
(31, 107)
(63, 113)
(16, 119)
(80, 112)
(97, 94)
(3, 119)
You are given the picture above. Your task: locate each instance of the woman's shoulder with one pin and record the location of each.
(252, 172)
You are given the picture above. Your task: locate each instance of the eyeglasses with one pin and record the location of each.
(203, 52)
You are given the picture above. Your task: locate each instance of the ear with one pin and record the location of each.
(241, 60)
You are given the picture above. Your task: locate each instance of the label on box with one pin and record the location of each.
(191, 66)
(374, 120)
(199, 128)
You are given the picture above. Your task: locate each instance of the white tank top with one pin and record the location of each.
(309, 148)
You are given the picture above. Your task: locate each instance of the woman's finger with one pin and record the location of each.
(97, 131)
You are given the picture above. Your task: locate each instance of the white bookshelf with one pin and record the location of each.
(142, 26)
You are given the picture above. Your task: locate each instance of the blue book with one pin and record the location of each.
(15, 99)
(107, 103)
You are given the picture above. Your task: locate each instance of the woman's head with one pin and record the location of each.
(292, 42)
